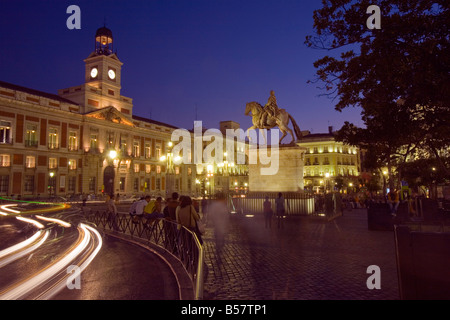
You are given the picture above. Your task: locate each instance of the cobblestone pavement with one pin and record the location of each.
(306, 259)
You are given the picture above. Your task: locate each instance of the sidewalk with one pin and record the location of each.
(307, 259)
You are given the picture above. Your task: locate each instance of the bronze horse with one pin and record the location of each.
(281, 120)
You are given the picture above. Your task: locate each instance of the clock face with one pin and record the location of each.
(94, 73)
(111, 74)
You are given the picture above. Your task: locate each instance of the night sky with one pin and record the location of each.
(182, 59)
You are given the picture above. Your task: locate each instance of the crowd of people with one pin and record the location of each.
(181, 209)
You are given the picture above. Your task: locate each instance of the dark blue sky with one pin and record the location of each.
(179, 56)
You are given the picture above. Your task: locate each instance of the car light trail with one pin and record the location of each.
(6, 208)
(85, 261)
(23, 248)
(23, 288)
(31, 221)
(49, 280)
(60, 222)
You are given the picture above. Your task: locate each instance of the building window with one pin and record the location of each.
(110, 139)
(72, 164)
(158, 169)
(177, 170)
(4, 183)
(136, 184)
(5, 160)
(147, 150)
(53, 138)
(94, 141)
(158, 183)
(135, 148)
(123, 146)
(92, 184)
(30, 162)
(72, 184)
(122, 184)
(147, 168)
(29, 183)
(158, 152)
(73, 141)
(52, 163)
(189, 171)
(31, 136)
(136, 167)
(5, 132)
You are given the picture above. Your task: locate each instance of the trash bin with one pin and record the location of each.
(423, 259)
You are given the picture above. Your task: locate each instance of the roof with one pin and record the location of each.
(103, 31)
(35, 92)
(153, 122)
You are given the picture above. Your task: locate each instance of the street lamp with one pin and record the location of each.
(112, 154)
(168, 159)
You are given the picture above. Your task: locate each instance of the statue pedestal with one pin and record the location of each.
(263, 176)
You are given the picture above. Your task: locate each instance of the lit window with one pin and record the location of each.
(147, 150)
(147, 168)
(136, 167)
(52, 163)
(53, 138)
(31, 136)
(94, 141)
(136, 149)
(30, 162)
(73, 140)
(158, 169)
(5, 160)
(72, 164)
(5, 132)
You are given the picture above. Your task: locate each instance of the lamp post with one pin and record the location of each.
(168, 159)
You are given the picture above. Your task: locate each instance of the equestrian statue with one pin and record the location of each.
(271, 116)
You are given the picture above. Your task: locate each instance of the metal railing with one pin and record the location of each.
(172, 237)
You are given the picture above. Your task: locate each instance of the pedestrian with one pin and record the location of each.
(279, 202)
(172, 206)
(187, 216)
(393, 200)
(268, 212)
(112, 212)
(219, 218)
(137, 209)
(204, 207)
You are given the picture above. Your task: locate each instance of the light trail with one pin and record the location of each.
(85, 261)
(60, 222)
(23, 288)
(31, 221)
(83, 251)
(6, 208)
(23, 248)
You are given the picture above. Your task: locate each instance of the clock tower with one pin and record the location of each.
(102, 78)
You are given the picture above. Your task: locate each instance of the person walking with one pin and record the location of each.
(268, 212)
(279, 203)
(112, 212)
(187, 216)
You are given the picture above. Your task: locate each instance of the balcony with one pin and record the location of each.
(31, 143)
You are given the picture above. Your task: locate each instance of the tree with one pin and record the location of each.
(398, 75)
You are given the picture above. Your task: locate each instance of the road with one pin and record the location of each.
(43, 247)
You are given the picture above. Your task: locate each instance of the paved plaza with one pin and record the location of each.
(306, 259)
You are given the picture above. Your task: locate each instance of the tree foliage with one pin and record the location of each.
(398, 75)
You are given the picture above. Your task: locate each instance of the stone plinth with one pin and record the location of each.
(277, 169)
